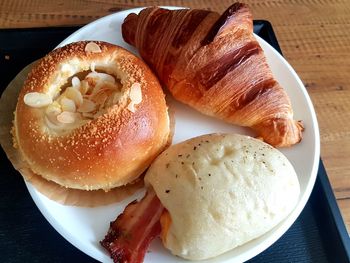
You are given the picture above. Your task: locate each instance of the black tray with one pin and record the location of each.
(318, 235)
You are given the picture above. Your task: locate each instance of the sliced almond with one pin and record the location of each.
(52, 124)
(100, 97)
(53, 109)
(135, 96)
(91, 82)
(76, 82)
(84, 87)
(51, 113)
(91, 78)
(92, 47)
(88, 115)
(95, 89)
(101, 77)
(110, 87)
(93, 66)
(131, 107)
(87, 106)
(106, 77)
(113, 99)
(116, 97)
(99, 113)
(68, 105)
(37, 99)
(67, 117)
(75, 95)
(135, 93)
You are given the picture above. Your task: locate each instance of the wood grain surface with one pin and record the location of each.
(314, 36)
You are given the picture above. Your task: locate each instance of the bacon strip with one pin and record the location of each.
(131, 233)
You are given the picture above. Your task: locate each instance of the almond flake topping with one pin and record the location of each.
(93, 66)
(87, 106)
(37, 99)
(135, 93)
(66, 117)
(92, 47)
(75, 95)
(135, 96)
(76, 82)
(84, 100)
(68, 105)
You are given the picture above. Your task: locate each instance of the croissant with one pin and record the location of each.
(214, 64)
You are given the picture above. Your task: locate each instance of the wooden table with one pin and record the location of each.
(314, 36)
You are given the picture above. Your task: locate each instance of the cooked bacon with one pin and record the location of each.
(132, 232)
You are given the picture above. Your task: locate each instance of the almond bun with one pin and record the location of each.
(91, 115)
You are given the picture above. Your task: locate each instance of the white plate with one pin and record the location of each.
(85, 227)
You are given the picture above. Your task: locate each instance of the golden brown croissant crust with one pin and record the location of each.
(214, 64)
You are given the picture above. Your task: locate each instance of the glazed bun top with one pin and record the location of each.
(91, 115)
(221, 191)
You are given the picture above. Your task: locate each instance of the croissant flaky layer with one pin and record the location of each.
(214, 64)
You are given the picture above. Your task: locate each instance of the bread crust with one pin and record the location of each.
(220, 191)
(108, 151)
(214, 64)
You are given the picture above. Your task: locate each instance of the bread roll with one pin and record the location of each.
(220, 191)
(214, 64)
(91, 115)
